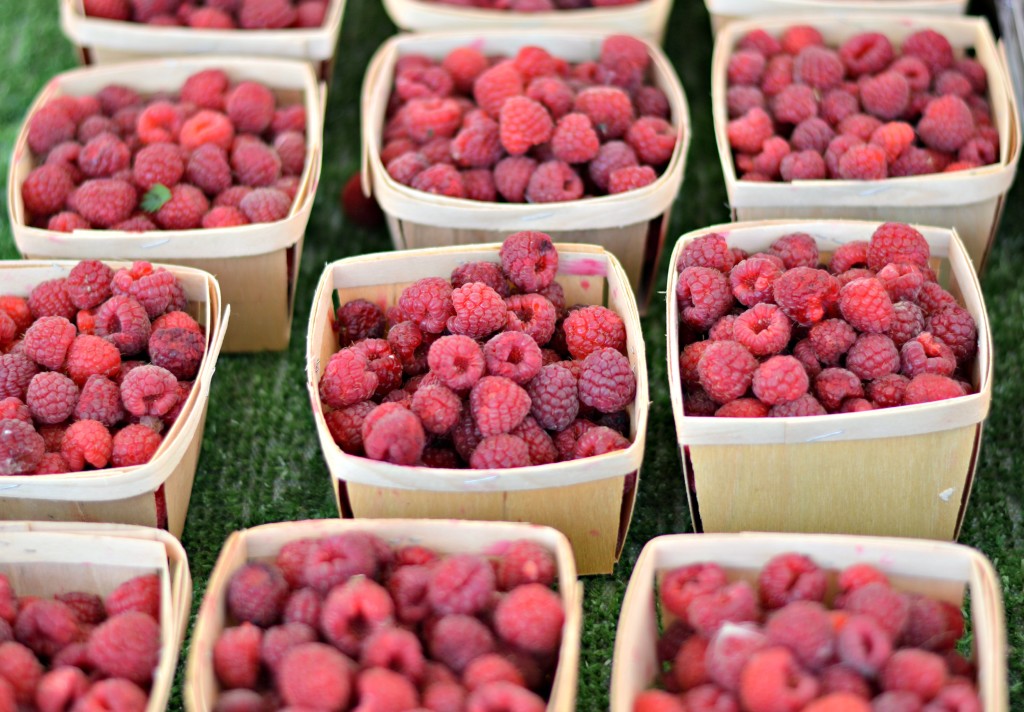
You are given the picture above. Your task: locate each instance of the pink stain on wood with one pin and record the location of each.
(594, 532)
(587, 267)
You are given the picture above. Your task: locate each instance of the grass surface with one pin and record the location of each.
(261, 462)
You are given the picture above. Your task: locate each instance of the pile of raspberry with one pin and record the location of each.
(348, 622)
(773, 335)
(778, 647)
(215, 155)
(799, 110)
(94, 368)
(212, 14)
(536, 5)
(528, 129)
(80, 651)
(487, 370)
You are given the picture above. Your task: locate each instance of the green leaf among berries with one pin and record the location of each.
(155, 197)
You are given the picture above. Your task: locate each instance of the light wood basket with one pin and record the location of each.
(971, 201)
(941, 570)
(48, 558)
(587, 500)
(630, 225)
(450, 537)
(257, 265)
(646, 19)
(725, 11)
(125, 495)
(903, 471)
(110, 42)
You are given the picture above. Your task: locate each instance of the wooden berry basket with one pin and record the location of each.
(48, 558)
(971, 201)
(257, 265)
(725, 11)
(587, 500)
(451, 537)
(903, 471)
(646, 18)
(630, 225)
(937, 569)
(102, 41)
(155, 494)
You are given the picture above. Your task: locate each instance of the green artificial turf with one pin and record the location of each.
(261, 461)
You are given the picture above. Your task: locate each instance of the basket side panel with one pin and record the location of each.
(178, 487)
(139, 510)
(866, 489)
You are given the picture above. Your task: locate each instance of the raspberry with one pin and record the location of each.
(763, 329)
(88, 284)
(885, 95)
(790, 577)
(47, 341)
(741, 99)
(728, 651)
(837, 104)
(51, 397)
(609, 109)
(353, 611)
(873, 356)
(461, 584)
(955, 326)
(599, 440)
(859, 126)
(553, 397)
(208, 169)
(513, 355)
(392, 433)
(592, 328)
(334, 560)
(21, 447)
(265, 205)
(889, 608)
(464, 65)
(428, 303)
(500, 452)
(796, 250)
(805, 628)
(126, 645)
(931, 47)
(818, 67)
(866, 53)
(707, 251)
(658, 701)
(760, 41)
(256, 593)
(207, 127)
(357, 320)
(250, 105)
(917, 671)
(704, 296)
(479, 311)
(529, 260)
(223, 217)
(255, 163)
(743, 408)
(502, 695)
(835, 151)
(532, 314)
(141, 594)
(863, 162)
(865, 304)
(947, 123)
(802, 165)
(833, 385)
(797, 37)
(780, 379)
(67, 221)
(630, 178)
(933, 298)
(15, 409)
(553, 94)
(901, 281)
(752, 279)
(491, 668)
(86, 442)
(477, 146)
(745, 67)
(772, 680)
(530, 617)
(606, 380)
(498, 405)
(778, 74)
(733, 602)
(840, 702)
(49, 126)
(116, 693)
(61, 688)
(805, 295)
(863, 645)
(149, 390)
(134, 445)
(346, 426)
(830, 339)
(887, 391)
(315, 675)
(46, 189)
(185, 209)
(437, 407)
(524, 123)
(554, 181)
(394, 649)
(103, 156)
(812, 134)
(927, 387)
(16, 371)
(104, 202)
(749, 132)
(689, 668)
(932, 625)
(495, 85)
(457, 361)
(206, 89)
(124, 322)
(896, 242)
(795, 103)
(926, 354)
(726, 370)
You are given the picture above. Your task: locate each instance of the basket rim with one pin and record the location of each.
(556, 17)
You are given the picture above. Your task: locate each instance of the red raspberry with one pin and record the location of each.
(160, 122)
(778, 74)
(794, 104)
(733, 602)
(609, 108)
(790, 577)
(90, 355)
(833, 385)
(887, 391)
(51, 397)
(741, 99)
(849, 255)
(209, 170)
(495, 85)
(836, 149)
(379, 688)
(896, 242)
(46, 189)
(115, 97)
(763, 329)
(707, 251)
(797, 37)
(498, 405)
(408, 589)
(553, 94)
(928, 387)
(704, 296)
(772, 680)
(461, 584)
(346, 426)
(818, 67)
(487, 272)
(535, 62)
(357, 320)
(599, 440)
(437, 407)
(866, 53)
(103, 156)
(862, 644)
(21, 447)
(630, 178)
(255, 163)
(500, 452)
(837, 104)
(104, 202)
(392, 433)
(207, 127)
(16, 371)
(863, 162)
(530, 617)
(889, 608)
(512, 177)
(86, 442)
(859, 125)
(653, 139)
(932, 625)
(802, 165)
(805, 295)
(726, 370)
(533, 315)
(479, 145)
(907, 322)
(933, 298)
(873, 356)
(749, 132)
(606, 380)
(902, 281)
(529, 260)
(464, 65)
(49, 126)
(592, 328)
(210, 18)
(223, 217)
(658, 701)
(780, 379)
(812, 134)
(353, 611)
(745, 67)
(552, 182)
(206, 89)
(291, 149)
(265, 205)
(431, 118)
(115, 693)
(885, 95)
(61, 688)
(865, 304)
(743, 408)
(513, 355)
(752, 280)
(395, 649)
(918, 671)
(289, 118)
(250, 105)
(47, 341)
(523, 123)
(955, 326)
(149, 390)
(894, 137)
(457, 360)
(256, 593)
(797, 249)
(806, 629)
(141, 594)
(926, 354)
(184, 210)
(88, 284)
(830, 339)
(134, 445)
(15, 409)
(95, 126)
(491, 668)
(20, 669)
(479, 311)
(128, 646)
(329, 562)
(574, 139)
(108, 9)
(124, 322)
(728, 651)
(67, 221)
(931, 47)
(525, 562)
(315, 674)
(611, 156)
(428, 303)
(947, 123)
(553, 398)
(761, 41)
(501, 695)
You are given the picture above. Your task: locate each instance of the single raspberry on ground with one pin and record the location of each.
(149, 390)
(134, 445)
(394, 434)
(128, 646)
(86, 442)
